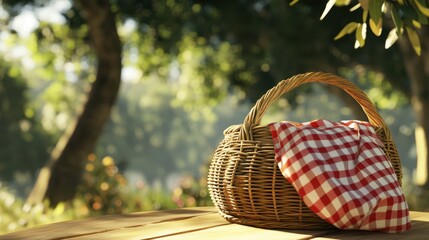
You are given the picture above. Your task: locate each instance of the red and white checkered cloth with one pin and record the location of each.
(342, 174)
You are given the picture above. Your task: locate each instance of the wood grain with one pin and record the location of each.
(195, 223)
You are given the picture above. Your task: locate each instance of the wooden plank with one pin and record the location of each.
(237, 232)
(211, 226)
(424, 216)
(171, 227)
(419, 230)
(69, 229)
(195, 223)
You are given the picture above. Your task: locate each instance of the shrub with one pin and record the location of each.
(16, 215)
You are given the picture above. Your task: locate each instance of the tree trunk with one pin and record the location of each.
(59, 179)
(418, 72)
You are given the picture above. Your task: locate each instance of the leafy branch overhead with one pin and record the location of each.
(407, 16)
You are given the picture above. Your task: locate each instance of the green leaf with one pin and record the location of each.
(364, 4)
(59, 209)
(375, 9)
(293, 2)
(342, 2)
(416, 24)
(376, 28)
(396, 19)
(349, 28)
(355, 7)
(364, 15)
(423, 9)
(328, 7)
(391, 38)
(414, 40)
(421, 18)
(360, 35)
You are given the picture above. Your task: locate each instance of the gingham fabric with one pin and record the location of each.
(342, 174)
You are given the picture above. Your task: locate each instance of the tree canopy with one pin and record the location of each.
(407, 16)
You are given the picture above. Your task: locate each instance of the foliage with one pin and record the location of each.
(101, 184)
(191, 37)
(416, 196)
(197, 69)
(147, 129)
(22, 142)
(16, 215)
(104, 190)
(55, 62)
(407, 16)
(192, 192)
(380, 92)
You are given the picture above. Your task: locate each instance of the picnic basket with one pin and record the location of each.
(244, 181)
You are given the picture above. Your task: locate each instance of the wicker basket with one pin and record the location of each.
(244, 181)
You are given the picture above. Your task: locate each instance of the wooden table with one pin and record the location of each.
(195, 223)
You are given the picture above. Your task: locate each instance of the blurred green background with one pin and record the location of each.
(189, 70)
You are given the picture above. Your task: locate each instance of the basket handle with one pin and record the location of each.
(254, 117)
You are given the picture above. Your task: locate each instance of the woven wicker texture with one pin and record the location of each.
(244, 181)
